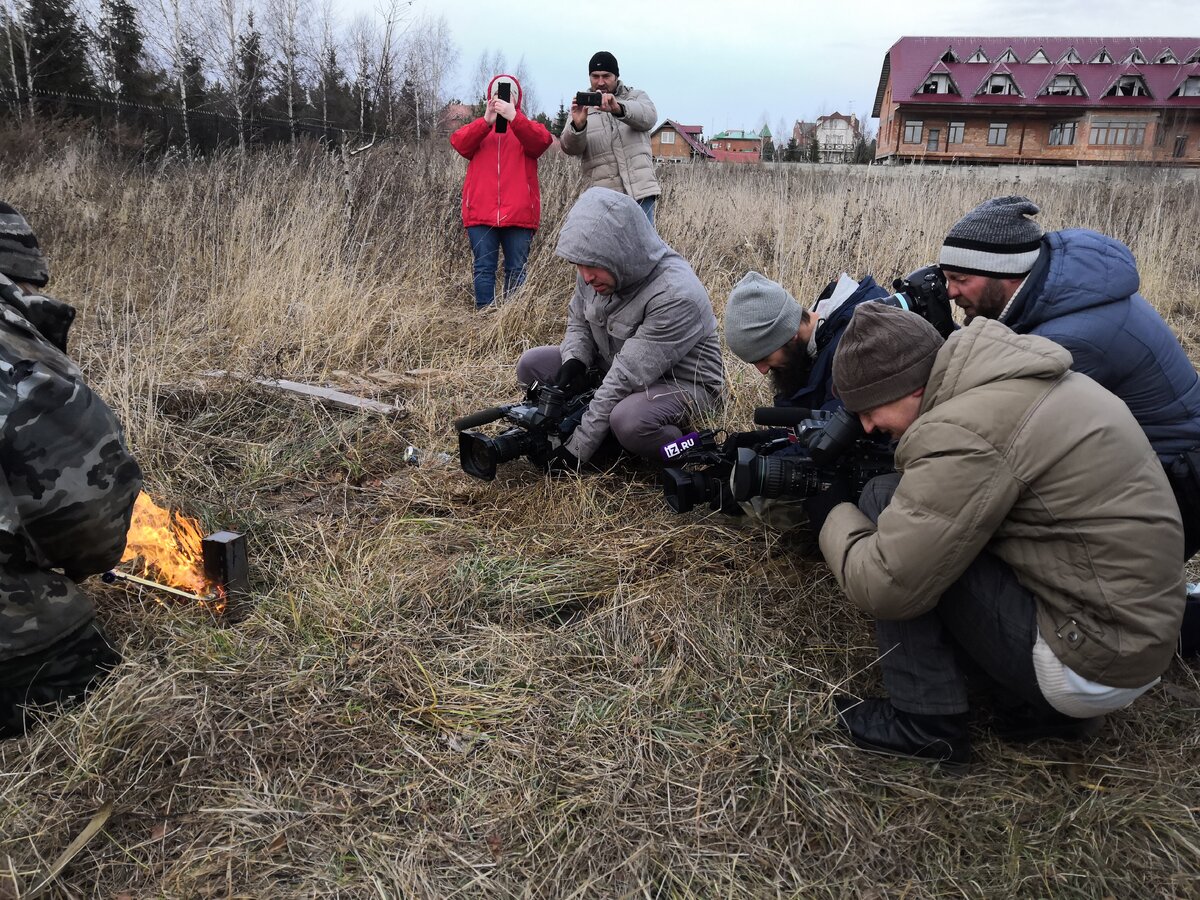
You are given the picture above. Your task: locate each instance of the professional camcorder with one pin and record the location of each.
(924, 292)
(541, 424)
(722, 472)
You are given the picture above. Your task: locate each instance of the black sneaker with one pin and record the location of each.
(874, 724)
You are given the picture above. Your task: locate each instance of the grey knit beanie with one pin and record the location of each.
(994, 239)
(20, 257)
(885, 353)
(760, 317)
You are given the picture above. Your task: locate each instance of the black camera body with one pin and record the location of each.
(588, 98)
(724, 473)
(540, 426)
(924, 292)
(835, 447)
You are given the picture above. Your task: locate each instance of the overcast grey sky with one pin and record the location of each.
(723, 63)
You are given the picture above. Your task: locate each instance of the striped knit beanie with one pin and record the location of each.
(20, 257)
(994, 239)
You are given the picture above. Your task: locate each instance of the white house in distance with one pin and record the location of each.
(836, 136)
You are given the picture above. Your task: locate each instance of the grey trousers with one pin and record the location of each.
(983, 628)
(641, 422)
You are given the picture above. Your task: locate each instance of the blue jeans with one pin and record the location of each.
(486, 241)
(647, 205)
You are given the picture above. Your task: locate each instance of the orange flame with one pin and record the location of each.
(168, 545)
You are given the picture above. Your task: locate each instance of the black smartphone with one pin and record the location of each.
(587, 98)
(503, 92)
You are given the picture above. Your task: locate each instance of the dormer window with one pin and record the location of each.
(938, 84)
(1194, 58)
(1134, 58)
(1071, 57)
(1064, 86)
(950, 56)
(1166, 57)
(1102, 56)
(978, 57)
(1039, 57)
(1189, 88)
(1128, 86)
(1008, 57)
(1000, 84)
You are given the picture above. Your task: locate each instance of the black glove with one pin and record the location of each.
(571, 378)
(563, 461)
(752, 439)
(820, 505)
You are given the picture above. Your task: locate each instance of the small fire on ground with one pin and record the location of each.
(166, 548)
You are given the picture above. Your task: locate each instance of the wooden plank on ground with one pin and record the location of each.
(328, 396)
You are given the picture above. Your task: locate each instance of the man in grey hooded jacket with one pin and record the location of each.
(640, 323)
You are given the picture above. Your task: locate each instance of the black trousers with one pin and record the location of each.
(983, 629)
(62, 673)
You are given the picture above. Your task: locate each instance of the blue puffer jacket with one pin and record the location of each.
(818, 393)
(1082, 294)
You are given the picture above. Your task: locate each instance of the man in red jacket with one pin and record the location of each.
(501, 204)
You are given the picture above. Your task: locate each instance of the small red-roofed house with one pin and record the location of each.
(672, 142)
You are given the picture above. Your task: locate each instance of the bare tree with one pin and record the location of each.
(285, 19)
(362, 40)
(529, 102)
(430, 55)
(488, 66)
(11, 21)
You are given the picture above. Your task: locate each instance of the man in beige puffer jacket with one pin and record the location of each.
(614, 138)
(1030, 538)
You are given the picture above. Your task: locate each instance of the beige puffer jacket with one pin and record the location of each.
(1015, 454)
(616, 151)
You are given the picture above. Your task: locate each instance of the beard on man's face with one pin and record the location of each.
(793, 374)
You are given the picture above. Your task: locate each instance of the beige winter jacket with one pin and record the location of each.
(1015, 454)
(616, 150)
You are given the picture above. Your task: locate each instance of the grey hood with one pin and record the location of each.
(608, 229)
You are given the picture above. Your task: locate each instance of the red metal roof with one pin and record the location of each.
(911, 60)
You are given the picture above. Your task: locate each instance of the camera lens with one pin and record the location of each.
(765, 476)
(683, 490)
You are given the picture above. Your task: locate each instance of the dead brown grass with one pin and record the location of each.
(531, 688)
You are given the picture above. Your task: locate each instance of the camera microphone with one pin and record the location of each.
(781, 416)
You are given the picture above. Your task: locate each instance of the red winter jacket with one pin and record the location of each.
(502, 183)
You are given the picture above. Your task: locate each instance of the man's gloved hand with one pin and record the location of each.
(571, 377)
(820, 505)
(563, 461)
(740, 439)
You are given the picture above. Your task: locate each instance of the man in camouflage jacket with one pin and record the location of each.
(67, 487)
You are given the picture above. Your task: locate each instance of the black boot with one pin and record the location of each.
(1189, 631)
(1023, 725)
(874, 724)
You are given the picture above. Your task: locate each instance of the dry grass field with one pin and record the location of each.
(534, 687)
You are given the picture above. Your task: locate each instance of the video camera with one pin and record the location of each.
(542, 423)
(723, 473)
(924, 292)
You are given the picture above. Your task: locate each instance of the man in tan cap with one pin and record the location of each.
(1027, 540)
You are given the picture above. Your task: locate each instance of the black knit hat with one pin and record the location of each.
(994, 239)
(603, 61)
(885, 353)
(20, 257)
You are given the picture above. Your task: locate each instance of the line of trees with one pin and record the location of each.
(200, 73)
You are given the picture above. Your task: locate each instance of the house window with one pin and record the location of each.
(936, 84)
(667, 137)
(1166, 57)
(1062, 134)
(1039, 57)
(950, 56)
(1194, 58)
(1189, 88)
(998, 134)
(934, 137)
(1128, 86)
(1000, 84)
(978, 56)
(1180, 145)
(1102, 56)
(1008, 57)
(1071, 57)
(955, 133)
(1135, 58)
(1115, 132)
(1064, 86)
(912, 131)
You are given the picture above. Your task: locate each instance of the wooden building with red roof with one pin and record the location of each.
(1069, 100)
(672, 142)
